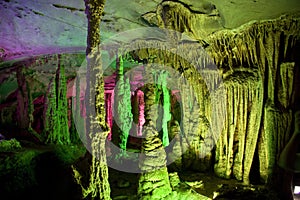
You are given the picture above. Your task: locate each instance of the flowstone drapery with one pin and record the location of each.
(270, 46)
(236, 146)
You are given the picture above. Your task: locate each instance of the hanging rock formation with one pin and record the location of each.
(270, 46)
(236, 146)
(180, 17)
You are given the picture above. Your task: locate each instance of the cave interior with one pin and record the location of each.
(176, 99)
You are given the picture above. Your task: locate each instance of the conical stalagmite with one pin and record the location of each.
(56, 111)
(154, 180)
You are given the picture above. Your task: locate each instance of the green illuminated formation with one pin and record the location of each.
(277, 82)
(162, 80)
(96, 127)
(56, 119)
(122, 100)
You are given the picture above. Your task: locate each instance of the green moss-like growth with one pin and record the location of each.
(36, 172)
(9, 145)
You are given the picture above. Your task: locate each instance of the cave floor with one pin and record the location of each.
(124, 186)
(45, 171)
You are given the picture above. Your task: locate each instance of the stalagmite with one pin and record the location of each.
(175, 155)
(56, 118)
(154, 180)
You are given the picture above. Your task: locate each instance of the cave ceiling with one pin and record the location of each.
(52, 26)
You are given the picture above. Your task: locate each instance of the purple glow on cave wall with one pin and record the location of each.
(109, 101)
(141, 105)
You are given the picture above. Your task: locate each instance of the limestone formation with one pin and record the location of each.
(257, 61)
(96, 127)
(56, 112)
(122, 103)
(154, 180)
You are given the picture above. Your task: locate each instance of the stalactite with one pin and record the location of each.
(276, 123)
(276, 127)
(260, 44)
(259, 48)
(285, 83)
(122, 103)
(254, 43)
(163, 97)
(177, 16)
(141, 117)
(62, 105)
(190, 123)
(50, 114)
